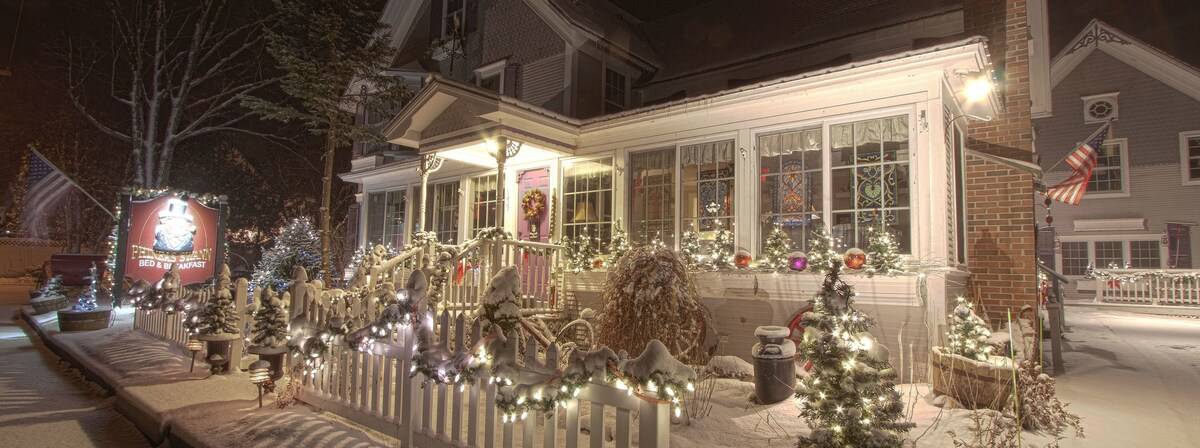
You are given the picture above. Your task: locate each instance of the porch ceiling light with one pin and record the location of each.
(977, 89)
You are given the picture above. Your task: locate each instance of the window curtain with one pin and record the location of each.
(891, 129)
(712, 152)
(789, 142)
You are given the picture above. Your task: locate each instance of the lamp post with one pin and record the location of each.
(260, 374)
(194, 346)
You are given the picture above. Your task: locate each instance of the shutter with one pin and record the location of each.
(512, 80)
(435, 19)
(471, 16)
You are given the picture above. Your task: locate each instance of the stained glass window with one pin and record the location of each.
(706, 190)
(870, 177)
(790, 172)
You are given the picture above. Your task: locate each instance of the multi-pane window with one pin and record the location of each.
(1144, 255)
(1106, 177)
(1074, 257)
(652, 196)
(454, 17)
(706, 187)
(790, 171)
(1108, 254)
(614, 91)
(1191, 153)
(441, 215)
(870, 170)
(587, 199)
(483, 203)
(385, 217)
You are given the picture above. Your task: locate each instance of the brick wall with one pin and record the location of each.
(1000, 199)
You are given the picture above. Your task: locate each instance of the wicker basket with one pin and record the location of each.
(974, 384)
(46, 304)
(72, 320)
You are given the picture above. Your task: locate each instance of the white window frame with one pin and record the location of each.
(446, 13)
(1123, 147)
(613, 191)
(605, 68)
(1110, 97)
(494, 69)
(469, 202)
(1184, 159)
(627, 198)
(434, 211)
(1126, 249)
(365, 213)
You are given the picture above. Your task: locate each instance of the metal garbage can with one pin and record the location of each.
(774, 364)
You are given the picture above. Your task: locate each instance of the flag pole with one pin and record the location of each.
(72, 181)
(1107, 123)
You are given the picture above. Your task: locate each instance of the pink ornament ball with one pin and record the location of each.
(797, 261)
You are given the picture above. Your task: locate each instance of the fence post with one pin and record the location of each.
(653, 424)
(240, 293)
(296, 287)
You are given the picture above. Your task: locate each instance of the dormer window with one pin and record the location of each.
(458, 18)
(1100, 108)
(616, 89)
(491, 77)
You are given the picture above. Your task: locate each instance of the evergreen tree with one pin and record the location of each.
(821, 253)
(270, 321)
(333, 53)
(689, 249)
(618, 246)
(219, 316)
(580, 251)
(722, 249)
(883, 253)
(850, 400)
(776, 249)
(87, 299)
(53, 287)
(296, 244)
(968, 333)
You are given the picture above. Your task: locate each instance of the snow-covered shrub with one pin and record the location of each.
(648, 295)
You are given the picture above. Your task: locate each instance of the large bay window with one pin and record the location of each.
(790, 170)
(870, 173)
(385, 217)
(587, 199)
(706, 190)
(483, 203)
(652, 196)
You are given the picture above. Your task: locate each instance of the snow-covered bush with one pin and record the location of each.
(648, 295)
(296, 245)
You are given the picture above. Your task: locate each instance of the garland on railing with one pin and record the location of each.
(1157, 274)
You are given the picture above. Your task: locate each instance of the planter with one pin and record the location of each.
(220, 344)
(973, 383)
(74, 268)
(75, 320)
(273, 356)
(46, 304)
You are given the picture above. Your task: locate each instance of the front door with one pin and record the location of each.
(533, 224)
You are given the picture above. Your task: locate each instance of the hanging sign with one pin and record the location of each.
(170, 230)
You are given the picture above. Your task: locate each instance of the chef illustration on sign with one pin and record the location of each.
(175, 228)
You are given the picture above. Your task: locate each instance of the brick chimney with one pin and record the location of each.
(1000, 198)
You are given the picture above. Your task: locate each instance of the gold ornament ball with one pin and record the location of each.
(597, 263)
(855, 258)
(742, 259)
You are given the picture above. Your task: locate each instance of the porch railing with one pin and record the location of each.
(1149, 287)
(475, 262)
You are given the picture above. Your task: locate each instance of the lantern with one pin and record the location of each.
(260, 374)
(194, 346)
(742, 258)
(797, 261)
(855, 258)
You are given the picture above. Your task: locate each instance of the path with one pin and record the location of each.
(43, 406)
(1133, 378)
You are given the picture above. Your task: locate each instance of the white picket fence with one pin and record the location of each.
(169, 326)
(1167, 287)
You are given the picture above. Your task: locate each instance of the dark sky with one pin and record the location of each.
(1169, 25)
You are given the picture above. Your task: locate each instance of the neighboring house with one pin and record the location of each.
(846, 113)
(1140, 210)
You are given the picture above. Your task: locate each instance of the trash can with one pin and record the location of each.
(774, 364)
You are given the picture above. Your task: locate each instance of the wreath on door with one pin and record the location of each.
(533, 204)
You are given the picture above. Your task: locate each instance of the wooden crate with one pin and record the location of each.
(72, 320)
(974, 384)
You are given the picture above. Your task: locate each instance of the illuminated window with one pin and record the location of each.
(441, 215)
(706, 187)
(385, 217)
(789, 178)
(483, 203)
(870, 177)
(587, 199)
(652, 196)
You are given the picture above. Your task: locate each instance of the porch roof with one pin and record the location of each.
(448, 114)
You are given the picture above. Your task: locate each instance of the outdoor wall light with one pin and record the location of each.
(977, 89)
(975, 94)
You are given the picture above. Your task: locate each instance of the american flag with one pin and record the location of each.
(1082, 161)
(46, 185)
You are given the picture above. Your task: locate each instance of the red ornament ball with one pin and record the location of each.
(855, 258)
(597, 263)
(742, 259)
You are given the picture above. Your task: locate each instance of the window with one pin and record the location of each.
(1144, 255)
(491, 76)
(652, 196)
(483, 204)
(790, 171)
(1100, 108)
(1111, 164)
(587, 199)
(870, 180)
(454, 17)
(1179, 246)
(614, 91)
(1189, 155)
(1108, 254)
(385, 217)
(706, 187)
(1074, 257)
(441, 214)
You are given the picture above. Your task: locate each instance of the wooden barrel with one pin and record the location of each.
(974, 384)
(43, 305)
(72, 320)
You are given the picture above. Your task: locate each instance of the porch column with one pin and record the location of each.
(505, 149)
(429, 163)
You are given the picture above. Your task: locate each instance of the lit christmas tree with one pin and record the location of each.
(53, 287)
(722, 250)
(850, 400)
(968, 333)
(689, 249)
(270, 321)
(87, 299)
(883, 253)
(219, 315)
(296, 244)
(580, 251)
(821, 253)
(618, 246)
(776, 250)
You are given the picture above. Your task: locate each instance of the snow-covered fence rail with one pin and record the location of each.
(477, 260)
(1150, 287)
(167, 322)
(161, 324)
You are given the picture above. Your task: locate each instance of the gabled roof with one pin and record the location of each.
(1098, 35)
(600, 22)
